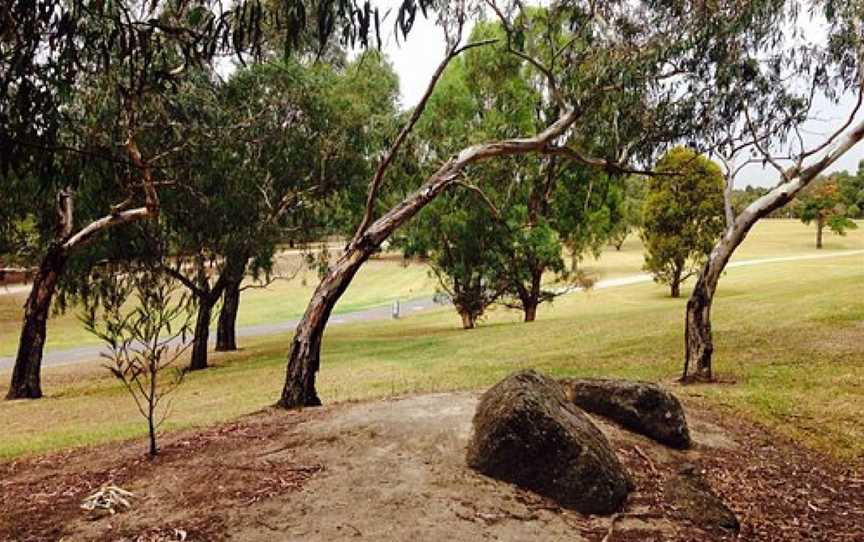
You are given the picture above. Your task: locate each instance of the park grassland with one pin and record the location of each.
(789, 347)
(376, 284)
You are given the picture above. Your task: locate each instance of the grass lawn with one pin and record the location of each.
(376, 284)
(789, 339)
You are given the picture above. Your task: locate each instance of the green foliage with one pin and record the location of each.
(851, 191)
(682, 216)
(461, 242)
(362, 121)
(144, 321)
(625, 209)
(823, 205)
(532, 204)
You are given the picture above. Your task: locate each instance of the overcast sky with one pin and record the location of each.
(417, 57)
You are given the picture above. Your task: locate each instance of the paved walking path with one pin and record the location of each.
(383, 312)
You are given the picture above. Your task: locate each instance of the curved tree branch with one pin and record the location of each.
(375, 184)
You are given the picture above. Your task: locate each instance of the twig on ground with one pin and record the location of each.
(647, 459)
(611, 530)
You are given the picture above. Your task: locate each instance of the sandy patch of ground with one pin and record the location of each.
(394, 470)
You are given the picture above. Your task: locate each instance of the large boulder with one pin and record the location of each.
(642, 407)
(527, 433)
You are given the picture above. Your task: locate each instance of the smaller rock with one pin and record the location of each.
(696, 502)
(642, 407)
(528, 434)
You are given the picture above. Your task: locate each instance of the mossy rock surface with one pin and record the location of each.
(526, 432)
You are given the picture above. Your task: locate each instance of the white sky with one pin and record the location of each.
(416, 58)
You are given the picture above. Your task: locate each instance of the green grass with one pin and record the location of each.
(375, 284)
(788, 335)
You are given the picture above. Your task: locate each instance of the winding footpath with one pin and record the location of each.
(407, 307)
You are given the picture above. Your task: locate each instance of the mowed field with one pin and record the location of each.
(789, 340)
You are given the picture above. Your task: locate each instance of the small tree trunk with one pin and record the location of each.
(532, 300)
(153, 449)
(26, 383)
(675, 281)
(530, 309)
(226, 329)
(151, 412)
(198, 360)
(698, 342)
(820, 224)
(467, 320)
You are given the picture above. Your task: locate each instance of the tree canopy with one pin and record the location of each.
(682, 216)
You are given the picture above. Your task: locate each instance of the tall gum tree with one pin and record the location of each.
(50, 49)
(622, 62)
(767, 129)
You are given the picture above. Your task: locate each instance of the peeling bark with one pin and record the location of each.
(698, 343)
(305, 354)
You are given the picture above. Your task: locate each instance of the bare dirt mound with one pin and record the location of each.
(395, 470)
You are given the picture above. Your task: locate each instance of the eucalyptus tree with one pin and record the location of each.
(682, 216)
(822, 205)
(485, 94)
(307, 179)
(54, 52)
(460, 241)
(783, 71)
(618, 71)
(276, 149)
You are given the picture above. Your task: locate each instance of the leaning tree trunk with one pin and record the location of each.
(28, 362)
(698, 343)
(226, 328)
(26, 383)
(304, 357)
(200, 342)
(698, 340)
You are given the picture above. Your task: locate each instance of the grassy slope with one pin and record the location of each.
(788, 334)
(374, 285)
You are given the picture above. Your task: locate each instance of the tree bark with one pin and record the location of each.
(820, 224)
(675, 280)
(198, 359)
(531, 301)
(468, 321)
(226, 329)
(574, 261)
(698, 341)
(305, 354)
(304, 358)
(26, 379)
(530, 309)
